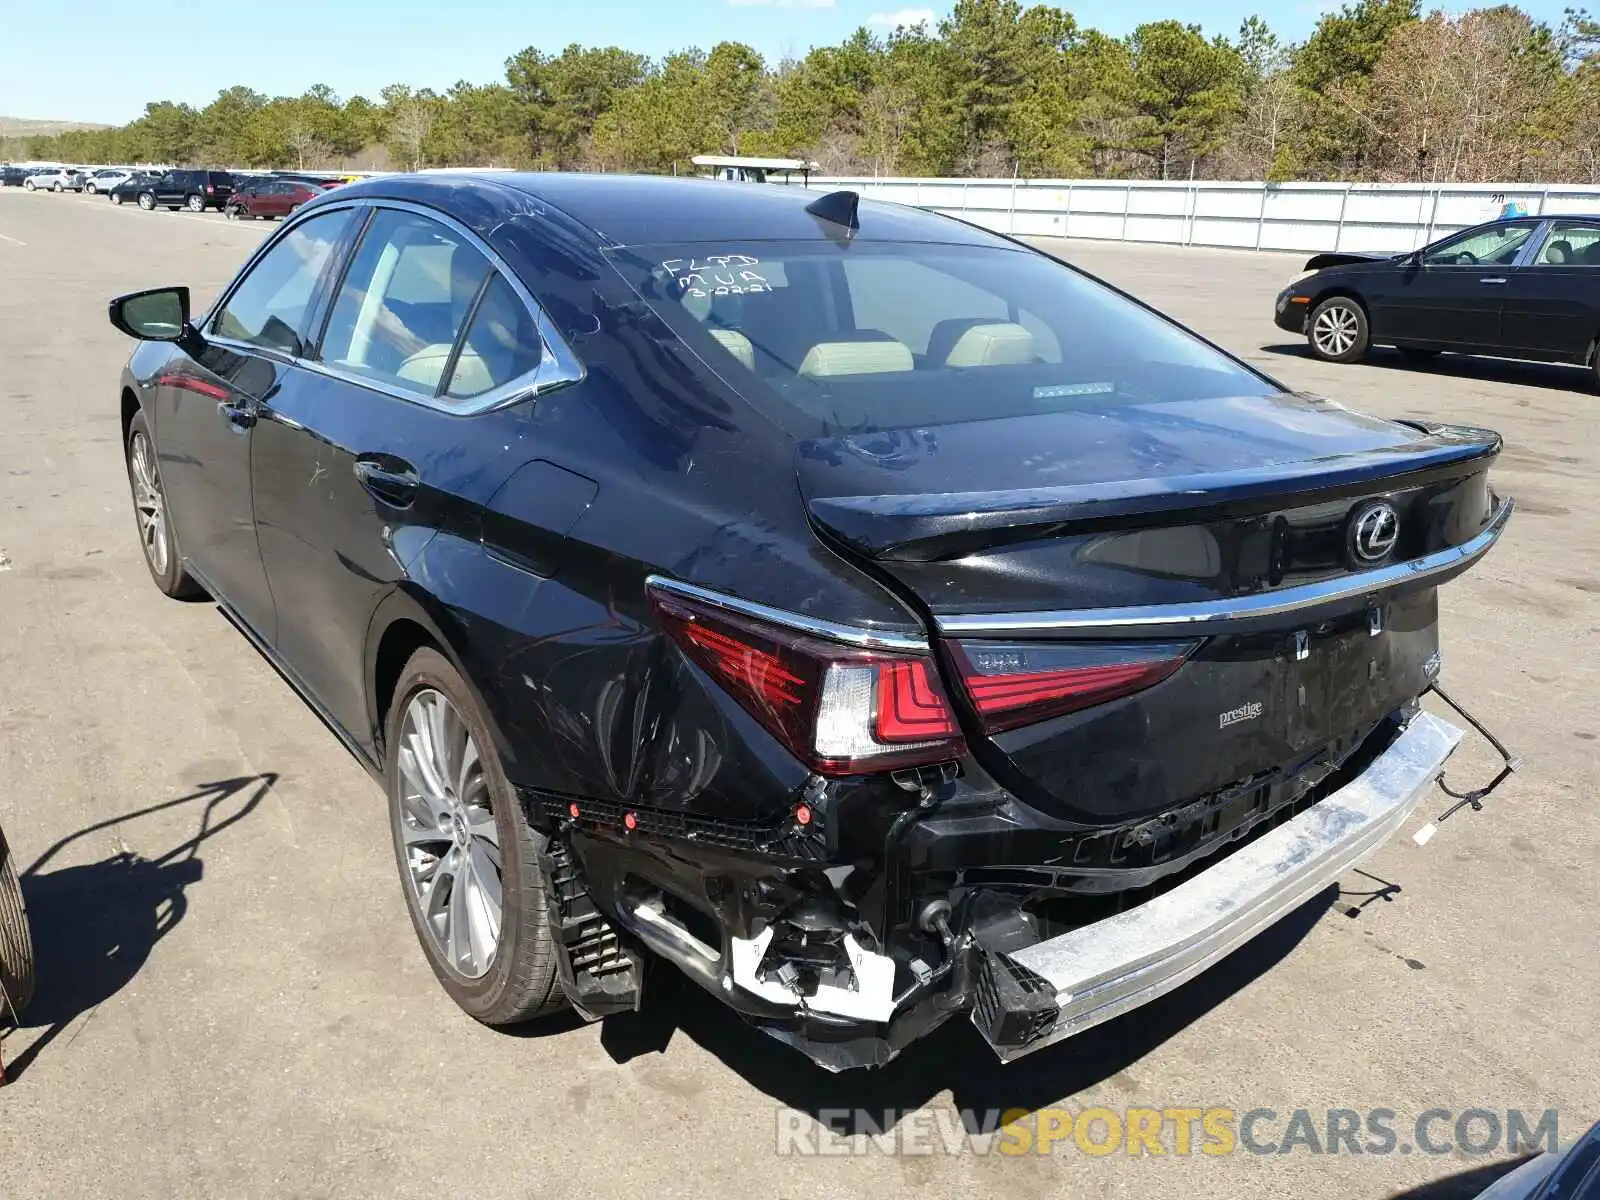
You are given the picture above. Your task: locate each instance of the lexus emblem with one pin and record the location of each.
(1374, 530)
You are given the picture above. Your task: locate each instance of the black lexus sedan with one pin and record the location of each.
(872, 616)
(1522, 288)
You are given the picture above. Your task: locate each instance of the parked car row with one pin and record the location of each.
(266, 196)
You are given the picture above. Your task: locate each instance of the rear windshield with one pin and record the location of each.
(873, 335)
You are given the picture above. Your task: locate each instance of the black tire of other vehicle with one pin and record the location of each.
(16, 946)
(147, 201)
(28, 185)
(168, 574)
(91, 189)
(1337, 330)
(55, 187)
(196, 203)
(1418, 353)
(116, 197)
(522, 982)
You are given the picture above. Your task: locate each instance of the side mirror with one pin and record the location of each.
(159, 315)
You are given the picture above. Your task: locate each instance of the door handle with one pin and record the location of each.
(1493, 279)
(394, 483)
(238, 417)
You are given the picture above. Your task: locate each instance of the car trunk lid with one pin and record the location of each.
(1143, 606)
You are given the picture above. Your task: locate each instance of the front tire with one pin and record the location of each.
(29, 186)
(17, 975)
(468, 859)
(56, 187)
(92, 190)
(147, 202)
(116, 198)
(156, 536)
(1337, 330)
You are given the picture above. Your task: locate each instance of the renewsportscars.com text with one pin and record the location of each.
(1179, 1131)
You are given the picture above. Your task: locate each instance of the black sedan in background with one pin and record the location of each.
(873, 616)
(127, 192)
(1522, 288)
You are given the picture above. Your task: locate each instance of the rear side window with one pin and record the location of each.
(868, 336)
(1571, 244)
(272, 306)
(406, 297)
(502, 344)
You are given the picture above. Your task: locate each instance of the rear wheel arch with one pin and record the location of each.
(400, 627)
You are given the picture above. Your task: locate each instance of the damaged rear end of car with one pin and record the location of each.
(1169, 630)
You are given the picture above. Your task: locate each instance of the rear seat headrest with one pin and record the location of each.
(868, 353)
(995, 345)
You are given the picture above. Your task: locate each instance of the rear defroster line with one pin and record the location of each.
(1470, 799)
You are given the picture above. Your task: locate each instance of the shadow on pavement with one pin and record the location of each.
(954, 1056)
(1560, 376)
(1463, 1185)
(95, 925)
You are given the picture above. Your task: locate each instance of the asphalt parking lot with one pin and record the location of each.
(232, 1002)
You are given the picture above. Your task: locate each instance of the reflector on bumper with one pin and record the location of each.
(1102, 970)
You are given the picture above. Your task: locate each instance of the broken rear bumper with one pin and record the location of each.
(1081, 978)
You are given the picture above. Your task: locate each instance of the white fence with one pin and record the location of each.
(1251, 216)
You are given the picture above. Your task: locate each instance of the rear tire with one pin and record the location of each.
(92, 189)
(196, 203)
(1337, 330)
(147, 202)
(17, 974)
(501, 969)
(116, 198)
(157, 538)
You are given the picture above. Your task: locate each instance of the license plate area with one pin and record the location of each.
(1343, 675)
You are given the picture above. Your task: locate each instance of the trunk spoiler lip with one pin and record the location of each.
(928, 527)
(1239, 612)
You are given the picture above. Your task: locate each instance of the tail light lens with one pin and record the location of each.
(1015, 684)
(840, 710)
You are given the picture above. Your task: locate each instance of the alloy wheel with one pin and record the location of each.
(147, 201)
(451, 843)
(196, 204)
(1335, 330)
(149, 504)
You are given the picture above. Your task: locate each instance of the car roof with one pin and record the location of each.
(641, 209)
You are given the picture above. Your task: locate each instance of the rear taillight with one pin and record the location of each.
(839, 709)
(1013, 684)
(209, 189)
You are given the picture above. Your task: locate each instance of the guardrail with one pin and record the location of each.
(1250, 216)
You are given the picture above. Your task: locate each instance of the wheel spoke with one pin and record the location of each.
(481, 824)
(456, 917)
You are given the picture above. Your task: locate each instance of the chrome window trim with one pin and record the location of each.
(558, 364)
(851, 635)
(1205, 614)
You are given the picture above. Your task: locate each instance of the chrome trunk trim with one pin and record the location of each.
(1206, 616)
(850, 635)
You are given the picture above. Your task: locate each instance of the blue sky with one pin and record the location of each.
(100, 60)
